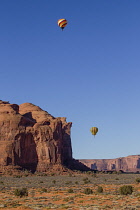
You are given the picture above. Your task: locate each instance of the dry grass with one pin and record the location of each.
(67, 192)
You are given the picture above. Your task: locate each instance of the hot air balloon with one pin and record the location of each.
(94, 130)
(62, 23)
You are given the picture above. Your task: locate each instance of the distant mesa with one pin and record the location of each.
(33, 139)
(127, 164)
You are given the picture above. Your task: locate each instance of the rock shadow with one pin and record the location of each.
(25, 153)
(29, 116)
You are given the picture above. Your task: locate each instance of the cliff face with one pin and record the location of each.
(32, 138)
(126, 164)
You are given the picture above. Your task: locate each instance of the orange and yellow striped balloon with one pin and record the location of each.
(62, 23)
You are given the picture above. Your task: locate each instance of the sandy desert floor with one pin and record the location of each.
(68, 192)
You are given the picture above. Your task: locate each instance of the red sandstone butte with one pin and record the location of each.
(32, 138)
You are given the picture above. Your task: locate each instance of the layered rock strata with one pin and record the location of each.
(32, 138)
(127, 164)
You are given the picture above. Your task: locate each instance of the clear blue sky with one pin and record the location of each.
(89, 73)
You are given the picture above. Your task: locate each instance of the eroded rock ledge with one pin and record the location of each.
(32, 138)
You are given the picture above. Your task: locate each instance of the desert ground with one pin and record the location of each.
(69, 191)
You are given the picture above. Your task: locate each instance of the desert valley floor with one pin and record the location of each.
(69, 191)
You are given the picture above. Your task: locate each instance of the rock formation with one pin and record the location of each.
(127, 164)
(32, 138)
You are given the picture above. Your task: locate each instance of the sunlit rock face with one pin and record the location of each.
(127, 164)
(32, 138)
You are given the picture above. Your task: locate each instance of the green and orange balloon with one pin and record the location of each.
(94, 130)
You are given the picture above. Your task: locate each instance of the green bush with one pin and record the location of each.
(137, 180)
(99, 189)
(21, 192)
(17, 176)
(114, 172)
(70, 190)
(94, 175)
(68, 182)
(89, 172)
(52, 174)
(88, 191)
(126, 189)
(54, 181)
(86, 180)
(119, 172)
(1, 182)
(44, 190)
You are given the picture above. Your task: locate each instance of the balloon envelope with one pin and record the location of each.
(62, 23)
(94, 130)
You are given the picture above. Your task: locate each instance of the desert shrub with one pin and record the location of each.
(81, 201)
(10, 173)
(26, 175)
(86, 180)
(89, 172)
(44, 190)
(94, 175)
(68, 182)
(119, 172)
(99, 189)
(21, 192)
(88, 191)
(29, 182)
(1, 182)
(68, 199)
(17, 176)
(137, 180)
(70, 190)
(13, 204)
(52, 174)
(114, 172)
(54, 181)
(27, 172)
(44, 174)
(126, 189)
